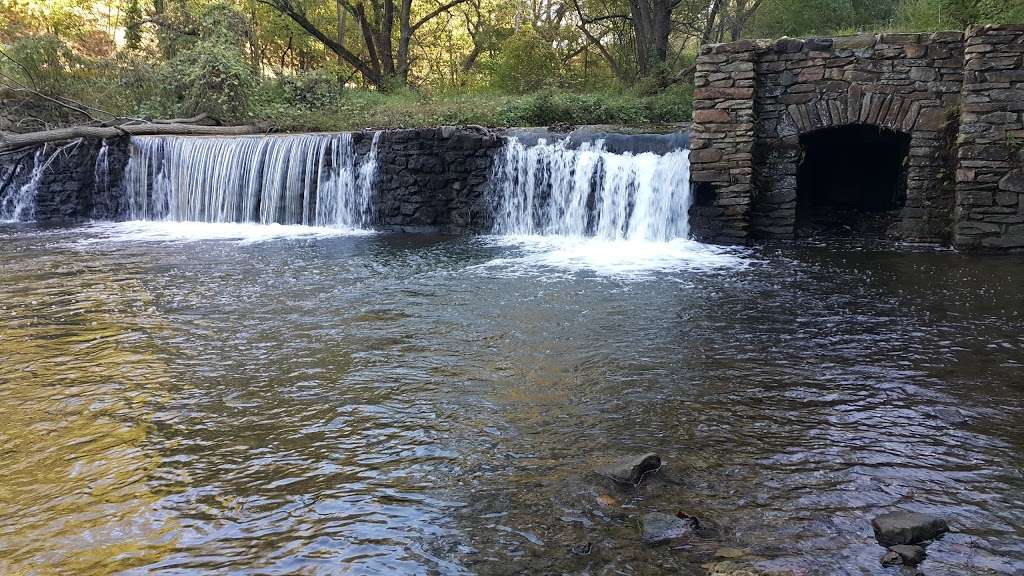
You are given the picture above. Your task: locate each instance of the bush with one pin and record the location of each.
(43, 62)
(309, 89)
(212, 76)
(526, 62)
(550, 106)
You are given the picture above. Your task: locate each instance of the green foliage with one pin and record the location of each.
(488, 62)
(552, 106)
(800, 18)
(133, 22)
(42, 62)
(214, 75)
(924, 15)
(359, 109)
(527, 62)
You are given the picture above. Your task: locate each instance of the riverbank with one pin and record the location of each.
(351, 110)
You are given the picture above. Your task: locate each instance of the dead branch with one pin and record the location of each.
(9, 141)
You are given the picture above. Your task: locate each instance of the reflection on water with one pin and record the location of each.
(399, 404)
(79, 384)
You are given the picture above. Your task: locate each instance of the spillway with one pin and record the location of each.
(551, 188)
(308, 179)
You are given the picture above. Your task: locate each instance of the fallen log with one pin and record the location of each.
(10, 141)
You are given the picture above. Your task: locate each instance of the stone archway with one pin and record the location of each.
(817, 126)
(757, 103)
(851, 181)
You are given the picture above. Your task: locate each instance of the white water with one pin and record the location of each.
(553, 190)
(307, 179)
(177, 232)
(18, 204)
(594, 210)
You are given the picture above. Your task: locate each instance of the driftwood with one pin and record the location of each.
(10, 141)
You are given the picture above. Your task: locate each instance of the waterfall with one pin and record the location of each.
(18, 203)
(101, 169)
(552, 189)
(309, 179)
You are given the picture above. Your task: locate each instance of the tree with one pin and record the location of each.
(385, 59)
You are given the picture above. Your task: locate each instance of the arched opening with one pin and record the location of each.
(851, 181)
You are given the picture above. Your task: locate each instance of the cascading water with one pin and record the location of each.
(18, 203)
(309, 179)
(101, 169)
(551, 189)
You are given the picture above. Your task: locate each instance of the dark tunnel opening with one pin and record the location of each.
(851, 181)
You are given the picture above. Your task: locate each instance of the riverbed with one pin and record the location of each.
(251, 399)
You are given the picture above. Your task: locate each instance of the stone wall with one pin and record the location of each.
(722, 141)
(69, 186)
(431, 179)
(755, 99)
(990, 155)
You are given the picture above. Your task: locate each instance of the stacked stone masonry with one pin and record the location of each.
(428, 179)
(958, 97)
(990, 151)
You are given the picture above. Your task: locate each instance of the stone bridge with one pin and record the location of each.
(918, 137)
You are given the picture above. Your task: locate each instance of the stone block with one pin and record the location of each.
(916, 50)
(1013, 182)
(922, 73)
(856, 42)
(786, 45)
(715, 115)
(812, 74)
(818, 44)
(900, 38)
(709, 176)
(723, 93)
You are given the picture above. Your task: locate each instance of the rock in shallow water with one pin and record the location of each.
(631, 470)
(907, 528)
(662, 528)
(909, 555)
(891, 558)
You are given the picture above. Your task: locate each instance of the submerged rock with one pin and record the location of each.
(897, 528)
(891, 558)
(662, 528)
(582, 549)
(909, 555)
(631, 470)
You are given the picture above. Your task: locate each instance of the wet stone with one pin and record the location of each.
(909, 555)
(891, 558)
(662, 528)
(582, 549)
(897, 528)
(631, 470)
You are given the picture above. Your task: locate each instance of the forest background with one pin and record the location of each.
(308, 65)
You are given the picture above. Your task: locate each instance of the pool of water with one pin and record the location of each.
(284, 400)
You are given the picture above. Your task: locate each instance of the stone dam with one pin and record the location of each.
(913, 137)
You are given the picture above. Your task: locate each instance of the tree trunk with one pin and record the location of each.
(10, 141)
(342, 17)
(652, 23)
(404, 37)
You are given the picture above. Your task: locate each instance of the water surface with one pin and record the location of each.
(283, 401)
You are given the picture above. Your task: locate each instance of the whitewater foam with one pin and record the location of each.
(242, 232)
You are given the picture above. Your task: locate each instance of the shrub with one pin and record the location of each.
(212, 76)
(42, 62)
(526, 62)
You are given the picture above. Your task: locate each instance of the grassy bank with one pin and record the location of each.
(353, 110)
